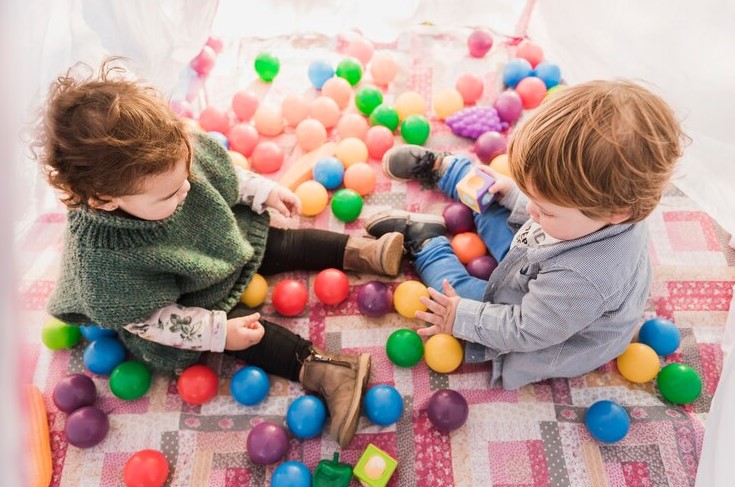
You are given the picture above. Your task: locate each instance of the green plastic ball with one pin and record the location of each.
(367, 99)
(351, 70)
(404, 348)
(57, 335)
(415, 129)
(130, 380)
(386, 116)
(679, 383)
(346, 205)
(267, 66)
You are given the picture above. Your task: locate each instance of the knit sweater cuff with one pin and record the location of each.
(219, 331)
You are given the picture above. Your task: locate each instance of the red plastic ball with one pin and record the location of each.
(468, 246)
(204, 61)
(470, 86)
(146, 468)
(378, 140)
(532, 91)
(289, 297)
(531, 52)
(214, 119)
(479, 43)
(267, 157)
(197, 385)
(331, 286)
(243, 138)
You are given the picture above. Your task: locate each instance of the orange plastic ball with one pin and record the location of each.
(361, 178)
(378, 140)
(268, 121)
(468, 246)
(310, 134)
(383, 69)
(313, 197)
(532, 91)
(352, 125)
(443, 353)
(295, 109)
(339, 90)
(214, 119)
(325, 110)
(238, 159)
(500, 164)
(470, 86)
(531, 52)
(409, 103)
(350, 151)
(406, 298)
(360, 49)
(447, 102)
(267, 157)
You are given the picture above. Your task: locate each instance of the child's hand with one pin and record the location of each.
(284, 201)
(503, 183)
(443, 308)
(243, 332)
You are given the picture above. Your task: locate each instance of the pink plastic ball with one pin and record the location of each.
(383, 69)
(245, 104)
(204, 61)
(352, 125)
(479, 43)
(470, 86)
(215, 43)
(490, 145)
(267, 157)
(361, 178)
(268, 121)
(326, 110)
(214, 119)
(531, 52)
(361, 49)
(295, 109)
(378, 140)
(181, 108)
(532, 91)
(310, 134)
(339, 90)
(243, 138)
(509, 106)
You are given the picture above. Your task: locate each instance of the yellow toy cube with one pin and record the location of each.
(375, 467)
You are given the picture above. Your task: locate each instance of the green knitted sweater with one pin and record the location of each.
(118, 270)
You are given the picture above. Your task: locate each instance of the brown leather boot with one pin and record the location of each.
(381, 256)
(340, 379)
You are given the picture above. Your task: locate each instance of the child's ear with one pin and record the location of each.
(107, 204)
(620, 216)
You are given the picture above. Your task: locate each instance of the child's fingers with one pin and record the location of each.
(448, 289)
(428, 332)
(247, 320)
(439, 297)
(432, 305)
(430, 317)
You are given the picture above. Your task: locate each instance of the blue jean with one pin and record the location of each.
(436, 261)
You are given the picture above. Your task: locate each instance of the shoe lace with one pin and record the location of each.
(423, 171)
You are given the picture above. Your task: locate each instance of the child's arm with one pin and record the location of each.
(260, 193)
(509, 196)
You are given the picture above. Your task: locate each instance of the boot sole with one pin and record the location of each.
(393, 255)
(413, 217)
(353, 415)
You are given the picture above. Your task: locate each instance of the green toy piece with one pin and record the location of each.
(375, 467)
(332, 473)
(57, 335)
(130, 380)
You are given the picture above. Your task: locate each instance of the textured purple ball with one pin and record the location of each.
(86, 427)
(475, 121)
(509, 106)
(459, 218)
(482, 267)
(447, 410)
(73, 392)
(267, 443)
(375, 299)
(489, 145)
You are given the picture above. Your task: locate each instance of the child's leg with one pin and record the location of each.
(436, 261)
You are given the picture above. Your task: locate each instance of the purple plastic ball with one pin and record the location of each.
(447, 410)
(459, 218)
(474, 121)
(86, 427)
(482, 267)
(509, 106)
(490, 145)
(73, 392)
(375, 299)
(267, 443)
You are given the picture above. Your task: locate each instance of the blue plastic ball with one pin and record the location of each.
(250, 385)
(319, 72)
(515, 71)
(549, 73)
(661, 335)
(104, 354)
(329, 172)
(291, 474)
(93, 332)
(607, 421)
(219, 137)
(306, 417)
(383, 405)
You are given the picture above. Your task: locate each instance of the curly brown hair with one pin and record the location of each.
(603, 147)
(101, 135)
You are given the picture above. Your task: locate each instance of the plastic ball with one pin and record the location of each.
(57, 335)
(331, 286)
(181, 108)
(214, 119)
(379, 140)
(220, 138)
(313, 196)
(267, 66)
(239, 160)
(367, 98)
(310, 134)
(443, 353)
(360, 49)
(406, 298)
(409, 103)
(447, 410)
(352, 125)
(347, 205)
(415, 129)
(470, 86)
(250, 385)
(482, 267)
(197, 385)
(268, 121)
(490, 145)
(386, 116)
(404, 348)
(319, 72)
(294, 109)
(607, 421)
(661, 335)
(468, 246)
(93, 332)
(500, 165)
(679, 383)
(291, 474)
(73, 392)
(339, 90)
(103, 355)
(361, 178)
(350, 151)
(532, 92)
(459, 218)
(267, 157)
(254, 295)
(549, 73)
(383, 405)
(329, 172)
(638, 363)
(215, 43)
(243, 138)
(351, 70)
(375, 299)
(447, 102)
(531, 52)
(306, 417)
(130, 380)
(289, 297)
(479, 43)
(383, 69)
(245, 104)
(515, 71)
(86, 427)
(146, 468)
(203, 63)
(267, 443)
(509, 106)
(325, 110)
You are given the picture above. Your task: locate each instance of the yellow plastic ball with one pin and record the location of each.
(553, 91)
(350, 151)
(409, 103)
(313, 196)
(447, 102)
(639, 363)
(500, 164)
(443, 353)
(406, 298)
(239, 160)
(254, 294)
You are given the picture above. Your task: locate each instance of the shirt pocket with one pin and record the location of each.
(525, 275)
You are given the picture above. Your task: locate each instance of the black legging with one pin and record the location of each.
(304, 249)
